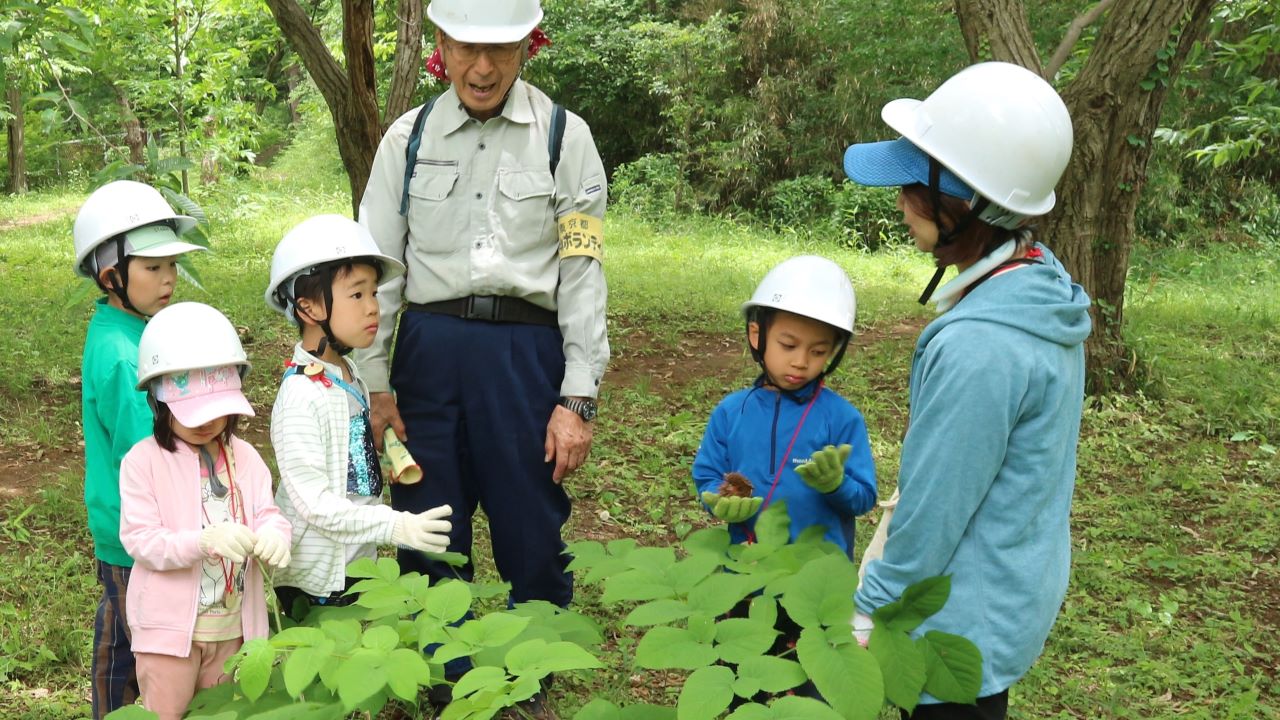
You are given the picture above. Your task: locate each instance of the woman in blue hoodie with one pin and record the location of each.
(997, 380)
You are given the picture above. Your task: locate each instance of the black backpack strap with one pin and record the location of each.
(555, 137)
(411, 151)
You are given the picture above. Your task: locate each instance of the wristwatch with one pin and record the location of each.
(584, 407)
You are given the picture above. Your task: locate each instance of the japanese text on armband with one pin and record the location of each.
(581, 234)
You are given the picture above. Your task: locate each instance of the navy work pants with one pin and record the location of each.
(475, 398)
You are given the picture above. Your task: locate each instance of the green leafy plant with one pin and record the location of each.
(391, 645)
(684, 601)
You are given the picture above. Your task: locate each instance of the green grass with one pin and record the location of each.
(1174, 607)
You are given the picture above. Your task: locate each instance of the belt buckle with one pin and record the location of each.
(482, 307)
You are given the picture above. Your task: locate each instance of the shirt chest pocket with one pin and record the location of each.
(526, 206)
(431, 224)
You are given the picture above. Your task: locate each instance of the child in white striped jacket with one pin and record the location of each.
(325, 275)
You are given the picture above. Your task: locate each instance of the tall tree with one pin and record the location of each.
(1115, 99)
(351, 91)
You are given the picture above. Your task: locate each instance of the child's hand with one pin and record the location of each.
(230, 540)
(825, 470)
(272, 548)
(732, 509)
(424, 531)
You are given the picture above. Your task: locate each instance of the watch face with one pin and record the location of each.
(588, 411)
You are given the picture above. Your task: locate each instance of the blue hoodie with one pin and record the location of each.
(989, 464)
(749, 432)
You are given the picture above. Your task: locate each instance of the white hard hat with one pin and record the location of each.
(318, 240)
(119, 207)
(485, 21)
(808, 285)
(187, 336)
(1001, 128)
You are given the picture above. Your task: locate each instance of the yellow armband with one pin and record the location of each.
(581, 234)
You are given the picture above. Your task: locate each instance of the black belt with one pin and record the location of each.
(491, 308)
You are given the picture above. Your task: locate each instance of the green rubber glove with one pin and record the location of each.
(825, 470)
(732, 509)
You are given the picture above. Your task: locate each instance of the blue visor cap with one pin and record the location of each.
(898, 162)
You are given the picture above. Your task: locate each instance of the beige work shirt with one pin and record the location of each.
(482, 220)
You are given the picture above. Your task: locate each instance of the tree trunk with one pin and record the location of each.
(352, 93)
(17, 141)
(404, 78)
(134, 137)
(1115, 102)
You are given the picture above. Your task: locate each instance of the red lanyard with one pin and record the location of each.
(751, 535)
(234, 507)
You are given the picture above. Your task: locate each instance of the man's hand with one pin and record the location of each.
(825, 470)
(568, 442)
(383, 411)
(732, 509)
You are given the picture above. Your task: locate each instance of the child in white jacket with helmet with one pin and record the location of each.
(325, 275)
(196, 512)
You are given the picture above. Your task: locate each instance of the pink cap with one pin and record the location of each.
(198, 396)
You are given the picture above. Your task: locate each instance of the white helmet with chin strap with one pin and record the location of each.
(996, 135)
(485, 21)
(318, 244)
(810, 286)
(1001, 128)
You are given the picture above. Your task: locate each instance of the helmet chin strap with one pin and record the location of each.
(118, 277)
(329, 339)
(757, 353)
(946, 236)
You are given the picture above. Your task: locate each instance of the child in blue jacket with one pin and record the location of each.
(789, 435)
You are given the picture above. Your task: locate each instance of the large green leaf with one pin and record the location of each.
(717, 594)
(360, 676)
(953, 666)
(739, 639)
(706, 694)
(847, 676)
(302, 666)
(691, 571)
(539, 658)
(406, 671)
(477, 678)
(380, 638)
(918, 602)
(772, 674)
(493, 629)
(667, 647)
(448, 601)
(822, 593)
(658, 612)
(654, 559)
(255, 669)
(638, 584)
(773, 526)
(712, 540)
(298, 636)
(901, 664)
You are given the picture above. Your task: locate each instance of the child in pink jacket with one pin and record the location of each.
(196, 511)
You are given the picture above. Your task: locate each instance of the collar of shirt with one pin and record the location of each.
(517, 108)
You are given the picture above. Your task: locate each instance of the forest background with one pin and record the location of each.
(722, 124)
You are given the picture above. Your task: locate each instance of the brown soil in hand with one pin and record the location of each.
(735, 485)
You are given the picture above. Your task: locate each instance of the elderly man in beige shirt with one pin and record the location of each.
(501, 343)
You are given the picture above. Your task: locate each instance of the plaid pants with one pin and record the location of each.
(115, 680)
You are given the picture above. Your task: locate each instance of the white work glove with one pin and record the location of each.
(862, 627)
(272, 548)
(424, 531)
(230, 540)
